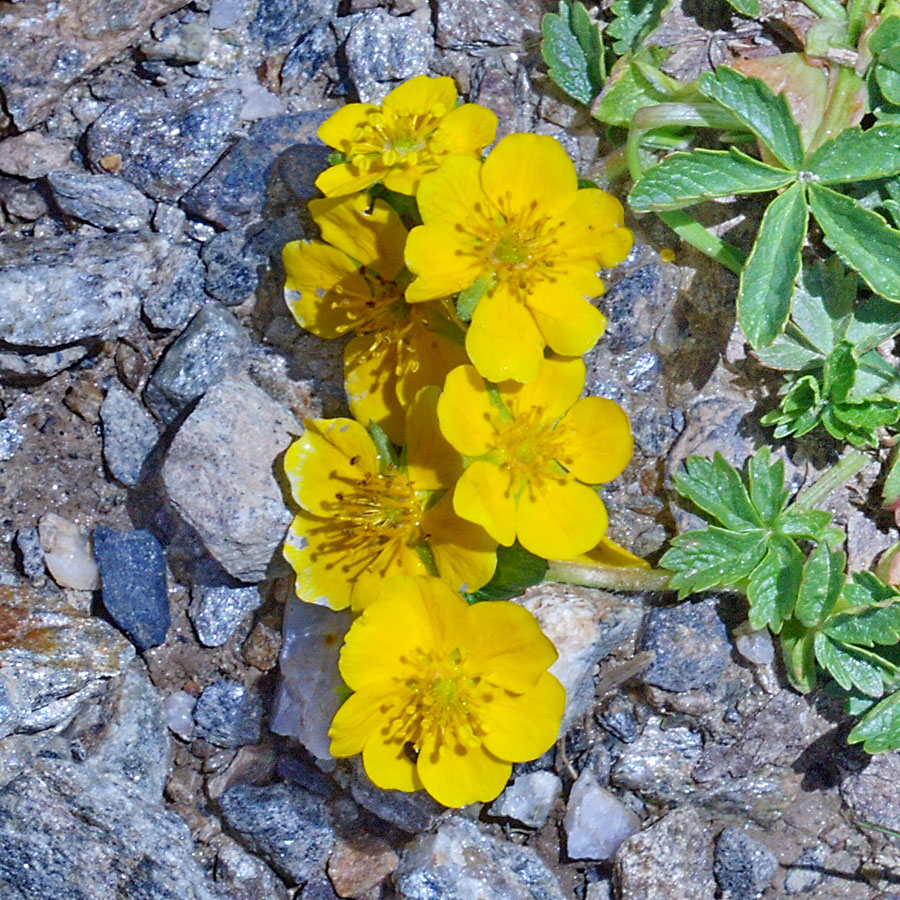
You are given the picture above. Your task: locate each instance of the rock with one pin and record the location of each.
(64, 826)
(21, 201)
(459, 862)
(225, 13)
(231, 267)
(471, 24)
(228, 715)
(42, 364)
(179, 710)
(360, 863)
(318, 888)
(307, 697)
(244, 876)
(528, 799)
(129, 434)
(585, 625)
(671, 858)
(596, 822)
(691, 645)
(168, 219)
(133, 576)
(219, 474)
(53, 659)
(33, 154)
(382, 49)
(806, 872)
(618, 718)
(31, 553)
(870, 793)
(284, 824)
(60, 290)
(190, 133)
(67, 553)
(179, 43)
(208, 349)
(743, 867)
(216, 612)
(755, 646)
(308, 57)
(279, 24)
(178, 292)
(102, 200)
(262, 647)
(45, 54)
(234, 192)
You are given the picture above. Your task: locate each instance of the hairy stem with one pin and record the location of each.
(616, 578)
(846, 467)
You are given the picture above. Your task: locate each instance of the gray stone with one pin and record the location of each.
(691, 645)
(189, 134)
(743, 867)
(382, 49)
(671, 858)
(806, 872)
(209, 348)
(102, 200)
(596, 821)
(21, 201)
(216, 612)
(28, 543)
(168, 219)
(179, 43)
(42, 363)
(284, 824)
(129, 434)
(472, 24)
(34, 154)
(219, 474)
(179, 710)
(528, 799)
(870, 793)
(306, 60)
(225, 13)
(11, 438)
(279, 24)
(67, 830)
(64, 289)
(231, 267)
(308, 696)
(228, 715)
(459, 862)
(179, 288)
(133, 577)
(318, 888)
(244, 876)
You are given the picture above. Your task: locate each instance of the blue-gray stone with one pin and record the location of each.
(178, 292)
(133, 578)
(231, 267)
(129, 434)
(629, 305)
(280, 23)
(743, 867)
(284, 824)
(102, 200)
(217, 611)
(305, 61)
(228, 715)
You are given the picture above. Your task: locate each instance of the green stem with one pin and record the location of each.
(613, 578)
(695, 234)
(827, 9)
(846, 467)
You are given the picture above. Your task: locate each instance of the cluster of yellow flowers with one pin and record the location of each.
(463, 283)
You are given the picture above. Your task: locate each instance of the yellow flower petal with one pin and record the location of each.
(422, 94)
(431, 462)
(456, 774)
(609, 553)
(598, 439)
(508, 646)
(348, 178)
(558, 385)
(370, 380)
(503, 340)
(337, 130)
(358, 719)
(373, 237)
(529, 174)
(452, 199)
(592, 215)
(465, 412)
(569, 324)
(396, 558)
(523, 726)
(467, 129)
(314, 548)
(616, 245)
(484, 495)
(559, 519)
(445, 263)
(464, 553)
(330, 450)
(388, 766)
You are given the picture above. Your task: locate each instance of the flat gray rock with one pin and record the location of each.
(102, 200)
(129, 434)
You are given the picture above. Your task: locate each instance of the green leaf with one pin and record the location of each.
(822, 305)
(868, 626)
(787, 354)
(517, 569)
(810, 523)
(630, 87)
(767, 282)
(633, 21)
(885, 36)
(872, 412)
(717, 489)
(712, 557)
(767, 491)
(890, 493)
(799, 656)
(875, 376)
(589, 39)
(820, 586)
(852, 667)
(568, 64)
(857, 155)
(773, 586)
(879, 729)
(746, 7)
(683, 179)
(874, 321)
(766, 114)
(839, 372)
(861, 237)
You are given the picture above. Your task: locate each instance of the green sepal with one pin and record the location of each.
(774, 583)
(717, 489)
(336, 158)
(798, 655)
(517, 569)
(387, 454)
(469, 298)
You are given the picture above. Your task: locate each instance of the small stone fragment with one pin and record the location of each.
(755, 646)
(743, 867)
(102, 200)
(231, 267)
(806, 872)
(28, 543)
(225, 13)
(528, 799)
(244, 876)
(133, 576)
(413, 813)
(360, 863)
(216, 612)
(33, 155)
(596, 822)
(67, 553)
(180, 44)
(262, 647)
(228, 715)
(178, 292)
(129, 434)
(279, 24)
(179, 709)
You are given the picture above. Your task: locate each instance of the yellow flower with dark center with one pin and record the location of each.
(353, 282)
(417, 125)
(519, 227)
(446, 695)
(533, 451)
(363, 520)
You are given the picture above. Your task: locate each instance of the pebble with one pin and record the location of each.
(216, 612)
(228, 715)
(225, 13)
(179, 710)
(34, 155)
(360, 863)
(178, 292)
(806, 872)
(308, 57)
(528, 799)
(68, 554)
(755, 646)
(219, 474)
(279, 24)
(596, 822)
(133, 576)
(284, 824)
(244, 876)
(179, 43)
(691, 645)
(102, 200)
(22, 201)
(231, 267)
(743, 867)
(477, 24)
(129, 434)
(262, 647)
(31, 553)
(870, 793)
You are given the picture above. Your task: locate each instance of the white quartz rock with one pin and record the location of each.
(68, 554)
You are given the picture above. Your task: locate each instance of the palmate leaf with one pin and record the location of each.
(811, 524)
(573, 51)
(857, 155)
(774, 584)
(820, 585)
(767, 489)
(822, 305)
(716, 488)
(853, 666)
(633, 21)
(879, 729)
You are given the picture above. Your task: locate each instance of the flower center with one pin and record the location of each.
(531, 446)
(400, 137)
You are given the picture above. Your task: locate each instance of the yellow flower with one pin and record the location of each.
(417, 125)
(533, 450)
(353, 281)
(362, 521)
(447, 695)
(520, 225)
